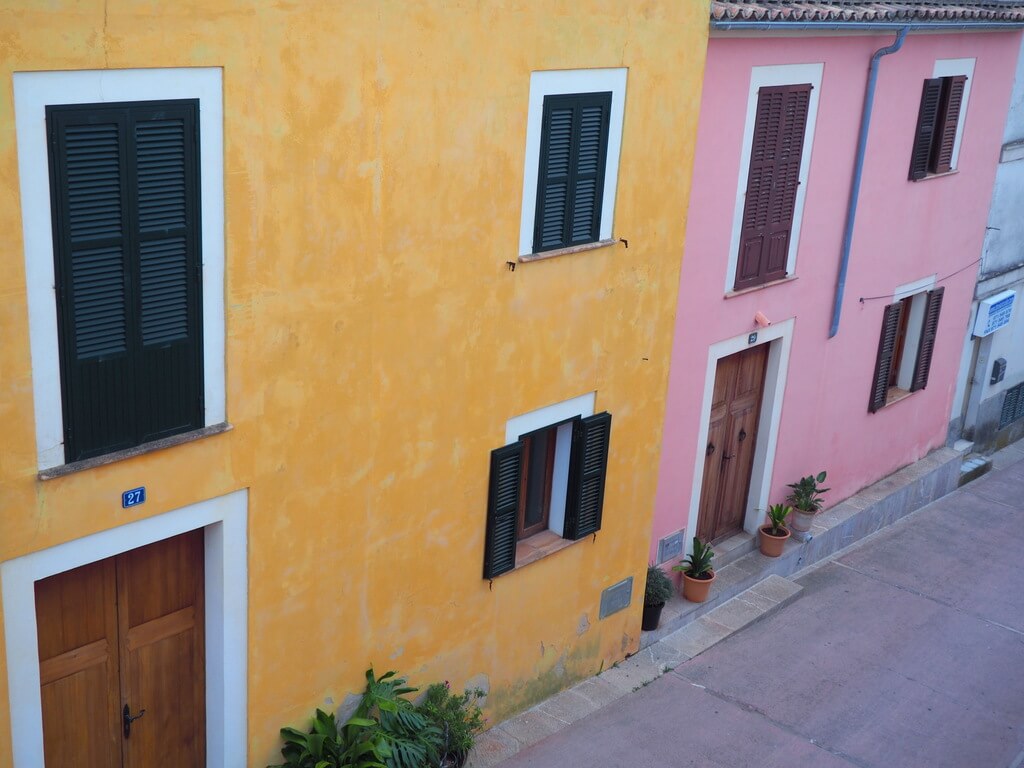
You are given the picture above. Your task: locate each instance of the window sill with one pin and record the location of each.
(538, 546)
(751, 289)
(128, 453)
(895, 394)
(930, 176)
(566, 251)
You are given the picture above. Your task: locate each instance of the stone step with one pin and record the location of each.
(973, 467)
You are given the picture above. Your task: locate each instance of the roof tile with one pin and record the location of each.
(867, 10)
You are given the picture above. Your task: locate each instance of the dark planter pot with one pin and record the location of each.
(454, 759)
(652, 617)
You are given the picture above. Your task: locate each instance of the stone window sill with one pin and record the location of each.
(895, 394)
(128, 453)
(538, 546)
(751, 289)
(931, 176)
(566, 251)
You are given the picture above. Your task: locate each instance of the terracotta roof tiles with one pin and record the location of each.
(908, 11)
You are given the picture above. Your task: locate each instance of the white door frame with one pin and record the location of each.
(780, 338)
(224, 521)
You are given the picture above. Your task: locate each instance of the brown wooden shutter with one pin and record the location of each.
(886, 348)
(773, 180)
(588, 466)
(503, 509)
(927, 345)
(948, 119)
(927, 115)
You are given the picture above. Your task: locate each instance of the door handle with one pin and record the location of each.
(128, 718)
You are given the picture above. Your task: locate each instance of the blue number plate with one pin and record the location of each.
(133, 498)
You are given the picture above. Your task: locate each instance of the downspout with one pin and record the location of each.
(858, 170)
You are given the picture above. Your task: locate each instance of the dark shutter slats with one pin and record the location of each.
(587, 472)
(125, 187)
(927, 114)
(502, 508)
(773, 181)
(927, 345)
(573, 158)
(948, 119)
(886, 349)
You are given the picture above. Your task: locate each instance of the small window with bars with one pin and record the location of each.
(938, 121)
(1013, 406)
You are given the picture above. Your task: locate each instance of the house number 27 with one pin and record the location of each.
(133, 498)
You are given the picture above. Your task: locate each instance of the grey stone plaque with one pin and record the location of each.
(616, 597)
(670, 546)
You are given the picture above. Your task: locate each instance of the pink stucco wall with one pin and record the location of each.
(905, 231)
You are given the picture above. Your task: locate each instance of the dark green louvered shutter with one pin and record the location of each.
(124, 183)
(886, 350)
(503, 509)
(573, 157)
(588, 467)
(927, 345)
(920, 156)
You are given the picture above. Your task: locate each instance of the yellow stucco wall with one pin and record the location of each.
(377, 343)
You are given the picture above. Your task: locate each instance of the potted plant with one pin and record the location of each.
(656, 594)
(697, 572)
(805, 498)
(775, 532)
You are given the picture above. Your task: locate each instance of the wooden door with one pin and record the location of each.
(732, 436)
(125, 632)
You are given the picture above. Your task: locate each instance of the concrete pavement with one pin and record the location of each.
(907, 650)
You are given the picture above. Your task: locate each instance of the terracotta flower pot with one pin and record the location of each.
(771, 546)
(696, 590)
(651, 617)
(801, 521)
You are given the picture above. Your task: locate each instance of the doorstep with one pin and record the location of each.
(506, 739)
(870, 510)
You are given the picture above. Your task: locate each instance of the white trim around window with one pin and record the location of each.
(581, 407)
(571, 81)
(951, 68)
(33, 92)
(783, 74)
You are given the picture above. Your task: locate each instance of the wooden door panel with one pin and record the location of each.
(160, 610)
(739, 385)
(170, 733)
(76, 621)
(126, 630)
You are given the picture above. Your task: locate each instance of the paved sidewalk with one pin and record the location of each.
(907, 650)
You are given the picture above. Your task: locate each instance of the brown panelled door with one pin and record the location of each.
(732, 435)
(121, 654)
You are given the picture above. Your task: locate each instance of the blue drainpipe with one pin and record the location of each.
(858, 169)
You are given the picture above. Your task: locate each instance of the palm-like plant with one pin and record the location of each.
(698, 564)
(777, 514)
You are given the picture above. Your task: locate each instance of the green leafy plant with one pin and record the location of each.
(409, 739)
(806, 493)
(325, 746)
(457, 716)
(777, 514)
(659, 586)
(385, 731)
(698, 564)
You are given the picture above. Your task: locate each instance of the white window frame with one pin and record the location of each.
(915, 321)
(225, 525)
(952, 68)
(577, 407)
(760, 77)
(33, 92)
(563, 81)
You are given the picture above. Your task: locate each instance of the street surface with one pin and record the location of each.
(906, 651)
